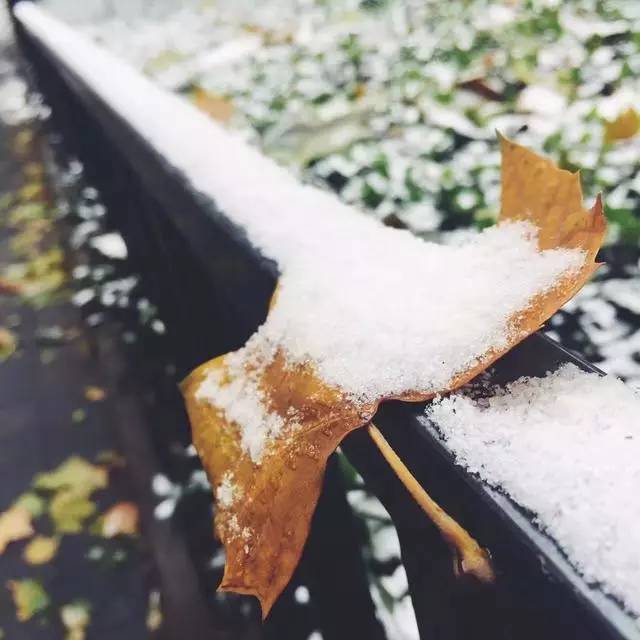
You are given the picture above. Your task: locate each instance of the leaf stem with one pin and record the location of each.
(469, 557)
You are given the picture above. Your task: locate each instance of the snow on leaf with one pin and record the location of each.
(15, 524)
(264, 532)
(297, 420)
(29, 597)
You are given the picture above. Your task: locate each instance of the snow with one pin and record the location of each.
(335, 262)
(226, 492)
(242, 402)
(111, 245)
(567, 448)
(444, 306)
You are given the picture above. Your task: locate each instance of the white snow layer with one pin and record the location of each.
(566, 447)
(376, 310)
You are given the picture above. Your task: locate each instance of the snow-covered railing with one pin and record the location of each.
(167, 172)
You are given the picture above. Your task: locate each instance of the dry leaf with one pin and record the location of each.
(73, 483)
(41, 550)
(264, 511)
(10, 288)
(32, 502)
(74, 473)
(265, 530)
(480, 86)
(15, 524)
(68, 510)
(8, 343)
(217, 107)
(29, 598)
(94, 394)
(625, 126)
(154, 613)
(32, 191)
(121, 519)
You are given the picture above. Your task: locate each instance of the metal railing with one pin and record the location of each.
(213, 289)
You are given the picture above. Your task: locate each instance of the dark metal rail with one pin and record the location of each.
(213, 288)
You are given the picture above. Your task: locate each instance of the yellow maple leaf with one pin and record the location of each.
(264, 510)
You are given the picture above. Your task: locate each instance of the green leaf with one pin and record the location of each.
(29, 597)
(32, 502)
(75, 473)
(69, 509)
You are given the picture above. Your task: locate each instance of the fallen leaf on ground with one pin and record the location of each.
(217, 107)
(10, 287)
(73, 483)
(625, 126)
(154, 614)
(27, 243)
(68, 510)
(264, 510)
(29, 597)
(94, 394)
(78, 416)
(120, 520)
(75, 473)
(41, 550)
(37, 280)
(32, 502)
(75, 617)
(6, 200)
(33, 170)
(15, 524)
(22, 142)
(8, 343)
(481, 87)
(32, 190)
(27, 212)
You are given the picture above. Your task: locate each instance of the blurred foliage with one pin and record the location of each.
(394, 104)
